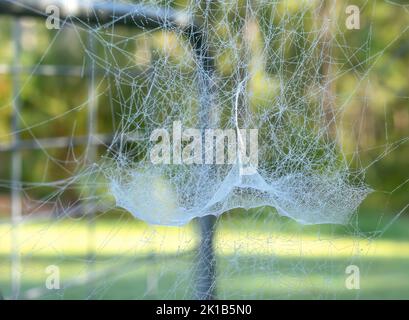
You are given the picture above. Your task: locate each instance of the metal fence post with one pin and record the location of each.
(16, 162)
(143, 17)
(91, 154)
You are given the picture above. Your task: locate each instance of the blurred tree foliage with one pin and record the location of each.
(374, 127)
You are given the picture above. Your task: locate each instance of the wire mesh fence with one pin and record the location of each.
(132, 16)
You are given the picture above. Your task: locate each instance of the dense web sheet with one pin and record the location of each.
(301, 171)
(276, 65)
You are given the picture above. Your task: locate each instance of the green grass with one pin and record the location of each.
(263, 257)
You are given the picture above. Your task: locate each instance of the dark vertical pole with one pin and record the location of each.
(16, 162)
(206, 267)
(206, 264)
(91, 154)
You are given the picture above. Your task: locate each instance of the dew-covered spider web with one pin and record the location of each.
(283, 83)
(301, 171)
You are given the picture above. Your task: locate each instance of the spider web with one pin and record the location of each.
(278, 65)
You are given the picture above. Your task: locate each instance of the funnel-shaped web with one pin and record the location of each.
(273, 73)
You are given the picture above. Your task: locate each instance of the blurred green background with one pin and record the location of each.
(256, 259)
(259, 255)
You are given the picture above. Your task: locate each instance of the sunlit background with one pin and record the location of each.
(104, 253)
